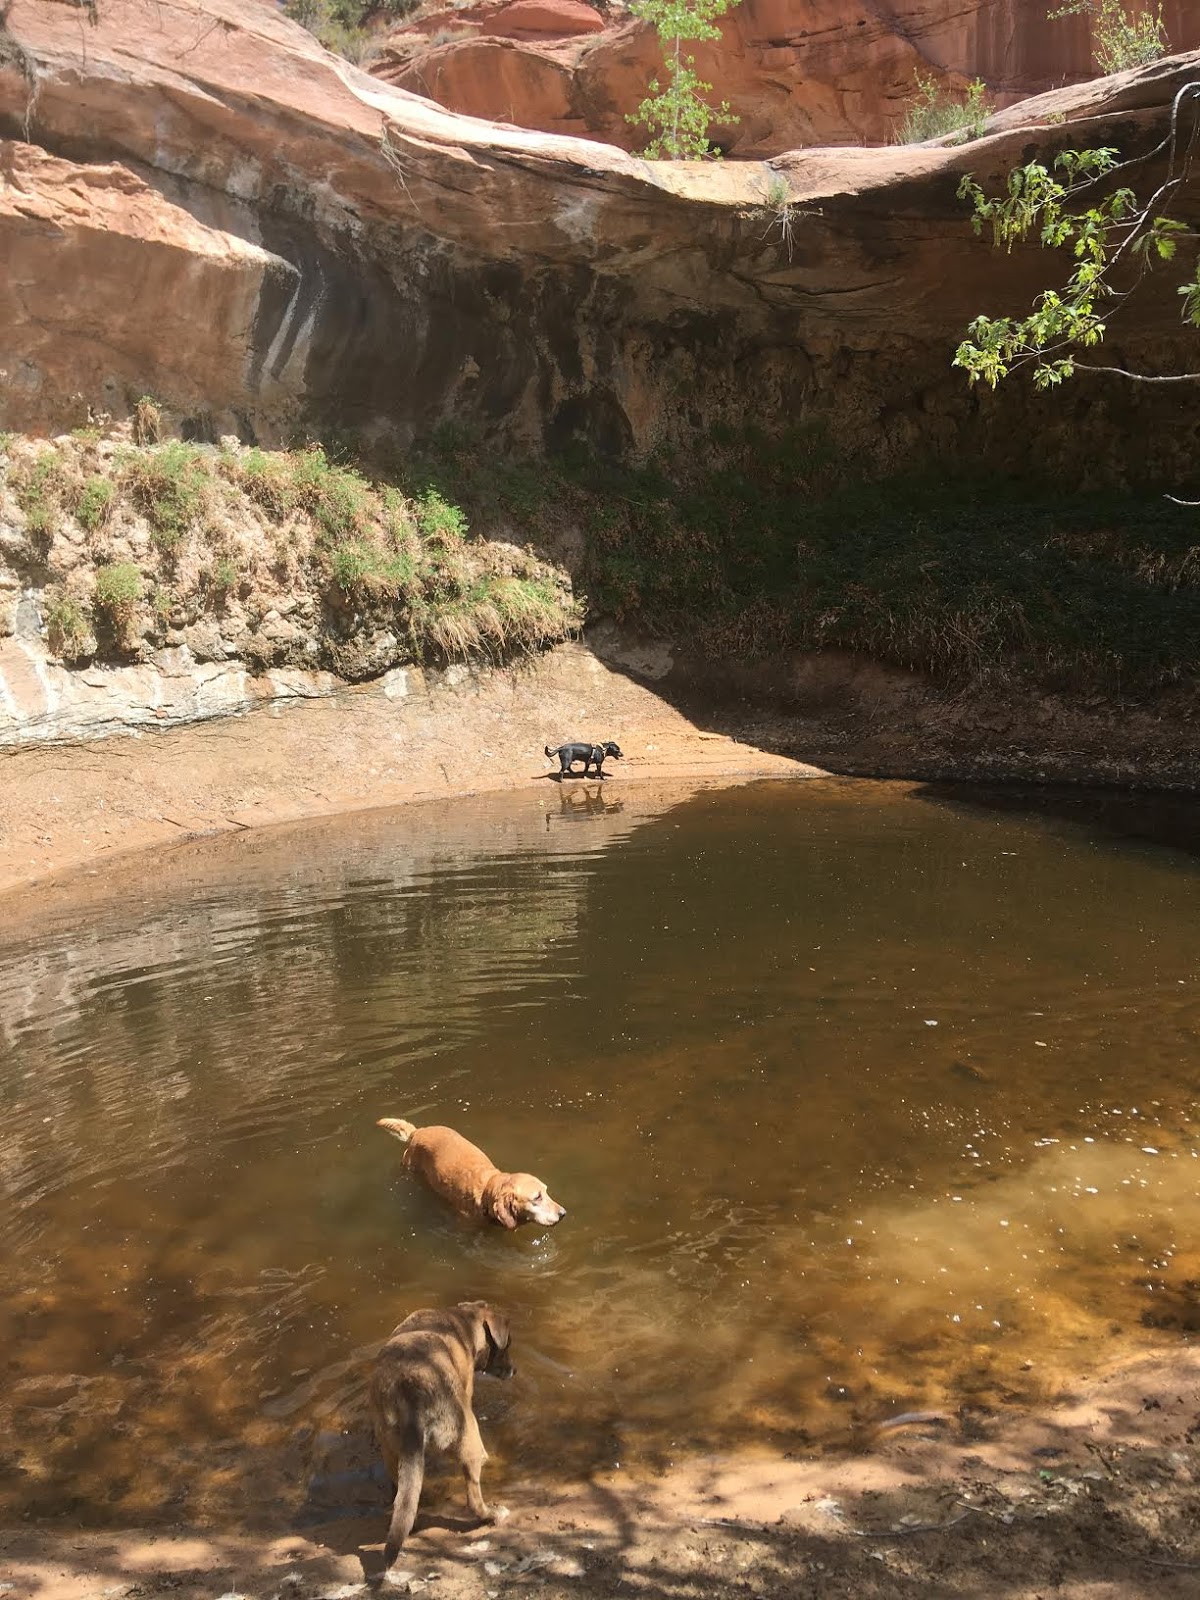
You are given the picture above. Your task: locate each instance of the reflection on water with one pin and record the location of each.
(860, 1101)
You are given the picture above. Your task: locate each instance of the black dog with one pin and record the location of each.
(592, 755)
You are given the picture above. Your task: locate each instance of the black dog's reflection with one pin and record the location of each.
(584, 800)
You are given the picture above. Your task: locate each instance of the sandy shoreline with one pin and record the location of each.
(418, 736)
(1094, 1499)
(63, 808)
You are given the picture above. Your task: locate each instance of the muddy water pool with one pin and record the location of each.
(863, 1098)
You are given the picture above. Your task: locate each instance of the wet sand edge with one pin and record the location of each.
(73, 807)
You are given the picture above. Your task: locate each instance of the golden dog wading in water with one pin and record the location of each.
(459, 1172)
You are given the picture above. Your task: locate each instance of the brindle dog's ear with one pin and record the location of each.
(496, 1343)
(504, 1205)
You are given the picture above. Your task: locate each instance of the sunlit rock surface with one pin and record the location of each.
(200, 203)
(795, 72)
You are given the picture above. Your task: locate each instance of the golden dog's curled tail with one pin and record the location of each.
(397, 1125)
(410, 1475)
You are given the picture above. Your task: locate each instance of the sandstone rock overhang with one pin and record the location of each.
(199, 202)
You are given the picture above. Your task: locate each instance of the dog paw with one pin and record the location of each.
(499, 1514)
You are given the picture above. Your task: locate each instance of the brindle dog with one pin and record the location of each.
(421, 1393)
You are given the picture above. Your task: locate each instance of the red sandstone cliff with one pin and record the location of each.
(796, 72)
(199, 202)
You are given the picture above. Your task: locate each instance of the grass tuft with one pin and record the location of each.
(225, 577)
(95, 503)
(67, 627)
(41, 484)
(117, 594)
(266, 478)
(438, 519)
(147, 421)
(118, 589)
(934, 112)
(338, 498)
(172, 486)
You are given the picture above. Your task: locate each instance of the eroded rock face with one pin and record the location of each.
(94, 250)
(214, 210)
(795, 72)
(43, 701)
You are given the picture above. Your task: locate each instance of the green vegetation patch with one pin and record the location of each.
(118, 589)
(340, 500)
(361, 567)
(225, 576)
(341, 25)
(380, 575)
(95, 503)
(412, 562)
(1120, 37)
(747, 546)
(935, 112)
(782, 544)
(265, 476)
(41, 486)
(67, 626)
(172, 486)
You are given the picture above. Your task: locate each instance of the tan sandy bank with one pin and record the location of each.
(410, 736)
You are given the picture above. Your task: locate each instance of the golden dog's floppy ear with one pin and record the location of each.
(502, 1203)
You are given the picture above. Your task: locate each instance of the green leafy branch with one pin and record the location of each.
(677, 114)
(1115, 241)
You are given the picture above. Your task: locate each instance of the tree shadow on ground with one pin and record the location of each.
(1096, 1500)
(928, 1539)
(1100, 1500)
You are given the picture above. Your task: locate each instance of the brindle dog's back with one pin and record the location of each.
(421, 1394)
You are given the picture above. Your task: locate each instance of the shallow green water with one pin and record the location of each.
(861, 1099)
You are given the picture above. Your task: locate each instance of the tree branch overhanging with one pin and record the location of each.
(1116, 241)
